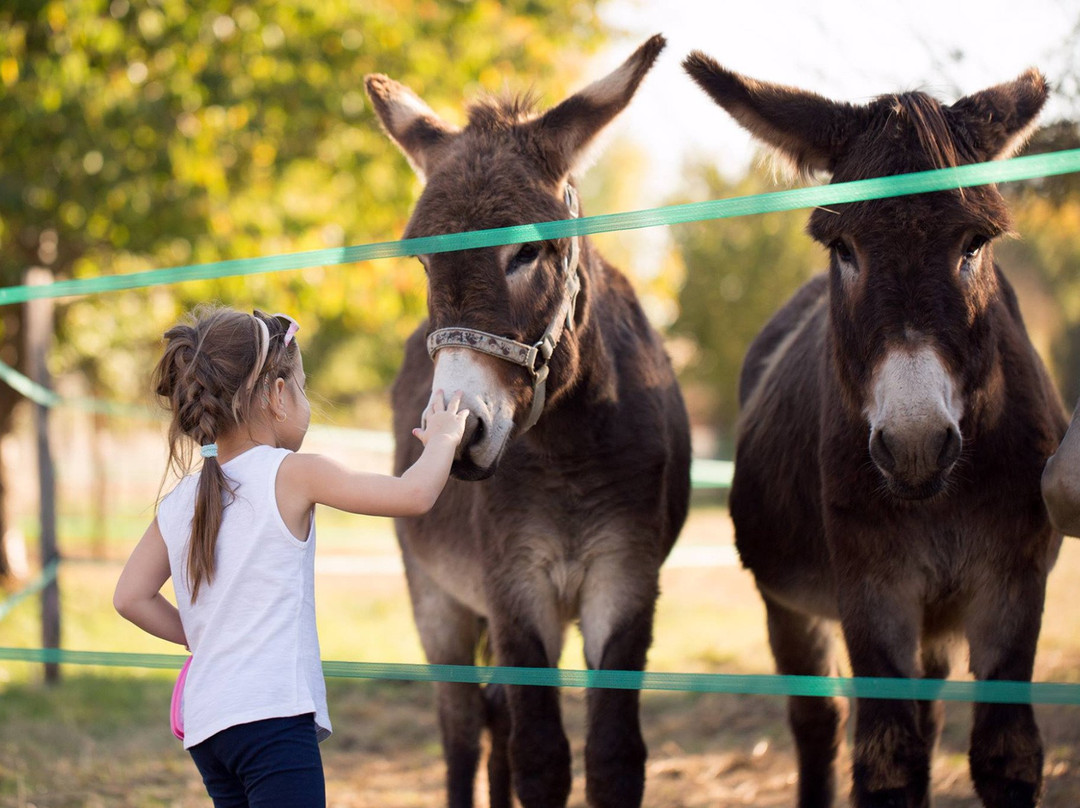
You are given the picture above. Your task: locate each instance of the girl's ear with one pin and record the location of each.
(277, 399)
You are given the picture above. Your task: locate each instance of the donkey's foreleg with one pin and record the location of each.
(891, 758)
(500, 778)
(539, 749)
(1006, 749)
(617, 607)
(802, 645)
(461, 721)
(615, 750)
(450, 634)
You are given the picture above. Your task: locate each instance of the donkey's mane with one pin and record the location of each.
(921, 136)
(502, 112)
(927, 117)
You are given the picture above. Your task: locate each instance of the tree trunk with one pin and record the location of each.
(39, 336)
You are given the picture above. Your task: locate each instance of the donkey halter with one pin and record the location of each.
(534, 358)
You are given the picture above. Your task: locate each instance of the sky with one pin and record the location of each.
(849, 50)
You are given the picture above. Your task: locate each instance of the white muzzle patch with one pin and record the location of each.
(491, 410)
(914, 414)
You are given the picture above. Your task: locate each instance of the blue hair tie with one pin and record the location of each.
(208, 450)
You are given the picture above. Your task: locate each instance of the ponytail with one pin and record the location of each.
(205, 524)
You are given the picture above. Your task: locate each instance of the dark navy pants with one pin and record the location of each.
(265, 764)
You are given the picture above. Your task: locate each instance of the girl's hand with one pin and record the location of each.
(307, 479)
(442, 419)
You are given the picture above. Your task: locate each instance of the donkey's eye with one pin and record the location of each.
(843, 253)
(974, 247)
(525, 256)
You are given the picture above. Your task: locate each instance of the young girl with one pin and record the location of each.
(238, 540)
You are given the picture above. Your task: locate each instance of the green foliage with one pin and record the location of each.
(738, 272)
(1046, 217)
(150, 133)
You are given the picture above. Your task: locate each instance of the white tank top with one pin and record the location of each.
(252, 634)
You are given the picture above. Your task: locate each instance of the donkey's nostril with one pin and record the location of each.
(474, 431)
(880, 453)
(950, 448)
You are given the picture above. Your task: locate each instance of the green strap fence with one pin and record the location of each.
(45, 577)
(749, 684)
(39, 394)
(1019, 168)
(945, 179)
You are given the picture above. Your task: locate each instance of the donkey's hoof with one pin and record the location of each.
(1003, 792)
(887, 798)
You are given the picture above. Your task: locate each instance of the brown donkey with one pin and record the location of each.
(572, 481)
(895, 423)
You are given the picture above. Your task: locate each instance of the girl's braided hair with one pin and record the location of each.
(214, 376)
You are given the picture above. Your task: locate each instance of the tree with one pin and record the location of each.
(737, 273)
(152, 133)
(1046, 214)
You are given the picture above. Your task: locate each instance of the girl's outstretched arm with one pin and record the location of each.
(307, 479)
(138, 595)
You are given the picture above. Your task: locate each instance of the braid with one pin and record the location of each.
(201, 378)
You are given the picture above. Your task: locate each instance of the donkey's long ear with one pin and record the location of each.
(566, 130)
(809, 130)
(419, 133)
(1002, 118)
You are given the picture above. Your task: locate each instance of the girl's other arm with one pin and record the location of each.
(138, 595)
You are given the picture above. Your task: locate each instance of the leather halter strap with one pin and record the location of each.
(533, 358)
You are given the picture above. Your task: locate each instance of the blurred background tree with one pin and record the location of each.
(1046, 254)
(737, 273)
(139, 134)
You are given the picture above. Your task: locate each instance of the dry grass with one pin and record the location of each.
(101, 738)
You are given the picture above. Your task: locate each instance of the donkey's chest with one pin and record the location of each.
(938, 554)
(550, 549)
(546, 557)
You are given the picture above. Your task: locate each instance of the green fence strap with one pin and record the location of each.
(1017, 168)
(45, 577)
(765, 684)
(47, 398)
(28, 388)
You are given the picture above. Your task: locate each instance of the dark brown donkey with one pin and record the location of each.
(572, 481)
(895, 423)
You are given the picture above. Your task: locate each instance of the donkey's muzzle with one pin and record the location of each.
(916, 466)
(465, 466)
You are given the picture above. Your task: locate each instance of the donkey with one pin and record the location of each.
(895, 421)
(572, 481)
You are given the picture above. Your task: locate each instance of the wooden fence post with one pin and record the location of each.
(39, 334)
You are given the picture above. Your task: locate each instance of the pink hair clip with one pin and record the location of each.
(291, 328)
